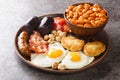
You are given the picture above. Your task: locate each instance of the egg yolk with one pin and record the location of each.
(55, 53)
(75, 56)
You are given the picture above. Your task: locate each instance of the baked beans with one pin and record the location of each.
(86, 15)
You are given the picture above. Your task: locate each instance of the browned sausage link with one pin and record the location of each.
(22, 43)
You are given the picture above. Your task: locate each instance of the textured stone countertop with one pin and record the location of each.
(14, 13)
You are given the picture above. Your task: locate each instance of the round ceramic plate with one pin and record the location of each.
(102, 36)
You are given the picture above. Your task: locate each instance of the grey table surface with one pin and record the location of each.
(14, 13)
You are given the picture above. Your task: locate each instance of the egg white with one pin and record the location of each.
(85, 60)
(43, 60)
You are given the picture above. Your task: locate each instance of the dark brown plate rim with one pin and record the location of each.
(61, 71)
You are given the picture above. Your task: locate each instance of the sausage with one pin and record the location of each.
(22, 43)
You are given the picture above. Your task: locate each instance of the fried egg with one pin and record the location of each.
(55, 54)
(76, 60)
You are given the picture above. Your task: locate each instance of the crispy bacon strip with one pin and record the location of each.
(37, 44)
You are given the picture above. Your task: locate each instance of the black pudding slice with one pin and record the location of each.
(46, 25)
(32, 25)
